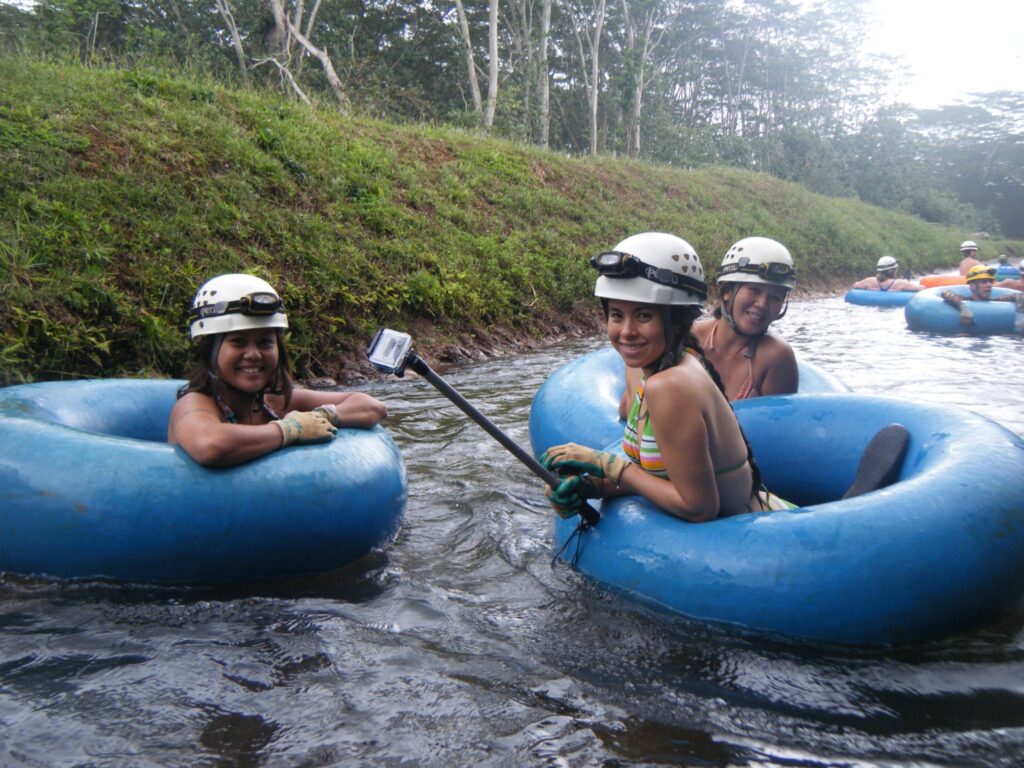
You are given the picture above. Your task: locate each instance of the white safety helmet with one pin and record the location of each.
(758, 260)
(235, 302)
(651, 268)
(886, 263)
(968, 245)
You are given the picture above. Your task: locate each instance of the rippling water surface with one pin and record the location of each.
(461, 645)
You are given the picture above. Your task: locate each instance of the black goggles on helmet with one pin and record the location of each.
(616, 264)
(773, 271)
(261, 303)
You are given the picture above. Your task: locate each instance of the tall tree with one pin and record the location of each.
(587, 26)
(474, 86)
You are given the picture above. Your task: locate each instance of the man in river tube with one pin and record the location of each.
(980, 280)
(969, 256)
(885, 278)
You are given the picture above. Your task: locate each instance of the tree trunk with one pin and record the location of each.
(492, 65)
(544, 77)
(236, 39)
(595, 72)
(275, 40)
(325, 62)
(474, 85)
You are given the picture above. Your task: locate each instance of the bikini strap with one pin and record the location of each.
(229, 415)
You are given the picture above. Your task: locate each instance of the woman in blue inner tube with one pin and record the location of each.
(230, 410)
(684, 449)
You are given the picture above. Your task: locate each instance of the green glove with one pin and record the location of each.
(571, 494)
(305, 427)
(580, 460)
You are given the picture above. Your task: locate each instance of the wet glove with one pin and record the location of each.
(571, 495)
(580, 460)
(305, 427)
(330, 412)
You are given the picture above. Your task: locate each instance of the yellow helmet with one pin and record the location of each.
(981, 272)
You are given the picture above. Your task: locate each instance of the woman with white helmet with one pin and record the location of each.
(754, 282)
(228, 412)
(684, 450)
(885, 278)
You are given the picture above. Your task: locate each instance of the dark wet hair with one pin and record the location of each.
(206, 379)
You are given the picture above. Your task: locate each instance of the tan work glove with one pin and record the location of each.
(573, 459)
(305, 427)
(330, 411)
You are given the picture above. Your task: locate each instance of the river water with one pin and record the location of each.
(461, 645)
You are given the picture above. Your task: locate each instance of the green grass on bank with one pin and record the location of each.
(121, 191)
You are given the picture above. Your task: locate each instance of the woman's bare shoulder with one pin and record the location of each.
(191, 401)
(775, 348)
(702, 328)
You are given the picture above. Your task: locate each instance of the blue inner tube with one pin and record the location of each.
(92, 490)
(1006, 272)
(878, 298)
(937, 552)
(928, 312)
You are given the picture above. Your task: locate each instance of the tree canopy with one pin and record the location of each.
(777, 86)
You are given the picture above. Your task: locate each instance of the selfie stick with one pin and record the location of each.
(391, 352)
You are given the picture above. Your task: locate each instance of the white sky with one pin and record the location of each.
(952, 47)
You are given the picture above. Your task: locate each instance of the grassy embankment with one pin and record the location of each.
(121, 191)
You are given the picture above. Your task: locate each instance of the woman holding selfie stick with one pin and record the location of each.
(240, 402)
(684, 450)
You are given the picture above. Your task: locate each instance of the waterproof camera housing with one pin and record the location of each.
(389, 351)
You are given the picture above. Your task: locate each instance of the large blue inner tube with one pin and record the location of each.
(878, 298)
(928, 312)
(934, 553)
(91, 489)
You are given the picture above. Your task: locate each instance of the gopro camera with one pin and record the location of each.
(389, 351)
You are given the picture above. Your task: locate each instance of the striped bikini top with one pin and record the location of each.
(642, 449)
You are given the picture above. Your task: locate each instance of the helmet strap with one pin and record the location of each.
(785, 308)
(727, 311)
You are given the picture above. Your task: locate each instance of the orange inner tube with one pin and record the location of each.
(930, 281)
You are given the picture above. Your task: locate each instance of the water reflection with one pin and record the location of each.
(461, 645)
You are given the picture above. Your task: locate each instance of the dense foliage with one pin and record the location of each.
(777, 86)
(122, 190)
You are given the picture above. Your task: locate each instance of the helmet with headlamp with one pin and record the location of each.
(758, 260)
(980, 272)
(235, 302)
(651, 268)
